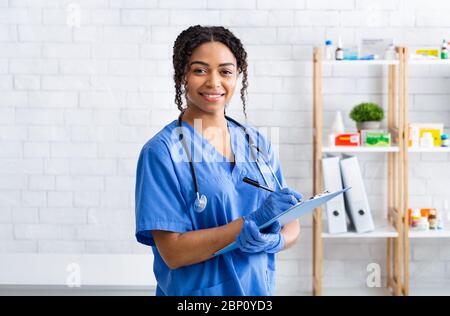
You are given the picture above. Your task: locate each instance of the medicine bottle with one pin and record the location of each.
(328, 50)
(444, 50)
(432, 219)
(427, 140)
(423, 223)
(445, 141)
(415, 216)
(339, 51)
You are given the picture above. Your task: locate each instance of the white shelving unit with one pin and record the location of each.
(391, 229)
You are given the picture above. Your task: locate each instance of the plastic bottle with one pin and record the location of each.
(415, 217)
(432, 219)
(423, 223)
(445, 142)
(444, 50)
(427, 140)
(337, 127)
(390, 53)
(445, 215)
(339, 55)
(440, 220)
(328, 50)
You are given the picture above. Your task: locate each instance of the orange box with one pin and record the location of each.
(426, 211)
(423, 212)
(349, 139)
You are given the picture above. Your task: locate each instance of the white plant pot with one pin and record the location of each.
(368, 125)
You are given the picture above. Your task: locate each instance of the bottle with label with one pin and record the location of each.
(339, 51)
(415, 217)
(440, 220)
(444, 50)
(445, 142)
(423, 224)
(427, 140)
(432, 219)
(328, 50)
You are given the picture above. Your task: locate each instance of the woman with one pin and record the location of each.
(190, 197)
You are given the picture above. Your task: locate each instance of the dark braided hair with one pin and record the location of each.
(195, 36)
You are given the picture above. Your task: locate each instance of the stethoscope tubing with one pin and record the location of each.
(252, 145)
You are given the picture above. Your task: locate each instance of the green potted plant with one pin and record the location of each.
(367, 115)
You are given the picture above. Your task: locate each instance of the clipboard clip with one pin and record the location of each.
(319, 195)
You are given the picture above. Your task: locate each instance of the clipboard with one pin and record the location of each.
(292, 213)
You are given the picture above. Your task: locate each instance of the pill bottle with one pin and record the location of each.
(432, 219)
(339, 54)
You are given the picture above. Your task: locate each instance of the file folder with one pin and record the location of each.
(335, 208)
(356, 199)
(292, 213)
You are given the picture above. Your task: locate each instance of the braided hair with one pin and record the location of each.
(195, 36)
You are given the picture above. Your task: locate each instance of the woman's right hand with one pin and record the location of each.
(276, 203)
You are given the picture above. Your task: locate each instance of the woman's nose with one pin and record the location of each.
(213, 80)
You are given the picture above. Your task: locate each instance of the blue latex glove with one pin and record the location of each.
(251, 240)
(276, 203)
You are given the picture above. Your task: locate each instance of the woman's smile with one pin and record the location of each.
(212, 97)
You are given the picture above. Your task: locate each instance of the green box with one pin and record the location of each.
(376, 138)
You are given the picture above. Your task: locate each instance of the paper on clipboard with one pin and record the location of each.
(292, 213)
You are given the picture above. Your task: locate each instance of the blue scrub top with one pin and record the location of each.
(165, 196)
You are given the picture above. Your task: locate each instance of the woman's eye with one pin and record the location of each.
(227, 72)
(199, 71)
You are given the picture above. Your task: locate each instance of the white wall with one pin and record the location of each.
(77, 103)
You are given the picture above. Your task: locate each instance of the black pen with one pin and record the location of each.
(256, 184)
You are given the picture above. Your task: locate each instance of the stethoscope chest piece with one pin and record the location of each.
(200, 203)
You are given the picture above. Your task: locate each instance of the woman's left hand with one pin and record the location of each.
(252, 240)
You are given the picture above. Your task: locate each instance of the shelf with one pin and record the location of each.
(381, 231)
(429, 62)
(361, 62)
(429, 234)
(430, 150)
(360, 149)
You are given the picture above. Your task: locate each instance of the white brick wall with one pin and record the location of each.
(77, 104)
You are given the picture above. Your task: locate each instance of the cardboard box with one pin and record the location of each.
(416, 131)
(347, 139)
(375, 138)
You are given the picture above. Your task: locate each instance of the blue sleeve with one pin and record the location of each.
(159, 204)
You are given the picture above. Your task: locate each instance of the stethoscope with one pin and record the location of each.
(201, 200)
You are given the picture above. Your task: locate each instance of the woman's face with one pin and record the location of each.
(211, 77)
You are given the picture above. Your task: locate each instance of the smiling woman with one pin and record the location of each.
(187, 209)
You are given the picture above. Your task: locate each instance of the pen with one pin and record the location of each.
(256, 184)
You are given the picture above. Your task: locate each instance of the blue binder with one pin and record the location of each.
(292, 213)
